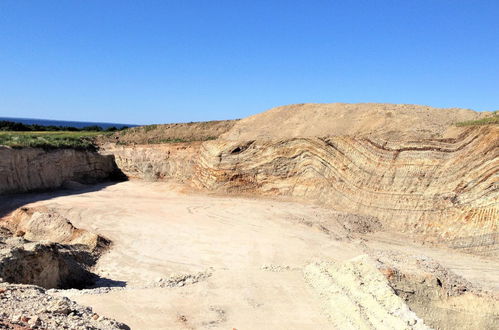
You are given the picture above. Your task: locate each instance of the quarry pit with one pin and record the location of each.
(368, 216)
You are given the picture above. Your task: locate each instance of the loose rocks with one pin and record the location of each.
(30, 307)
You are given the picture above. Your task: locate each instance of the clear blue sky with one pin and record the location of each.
(175, 61)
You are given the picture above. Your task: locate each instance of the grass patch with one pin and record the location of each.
(168, 140)
(492, 120)
(50, 140)
(180, 140)
(149, 128)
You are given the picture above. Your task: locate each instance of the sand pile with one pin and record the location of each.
(390, 121)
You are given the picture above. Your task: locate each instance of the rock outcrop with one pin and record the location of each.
(357, 296)
(390, 289)
(404, 165)
(44, 224)
(41, 247)
(49, 265)
(153, 162)
(444, 189)
(28, 169)
(442, 298)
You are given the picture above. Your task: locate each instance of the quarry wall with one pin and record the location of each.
(28, 169)
(443, 189)
(153, 162)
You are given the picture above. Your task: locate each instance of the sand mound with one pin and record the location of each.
(390, 121)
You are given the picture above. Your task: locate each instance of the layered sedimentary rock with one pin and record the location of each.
(440, 188)
(28, 169)
(154, 162)
(160, 152)
(405, 165)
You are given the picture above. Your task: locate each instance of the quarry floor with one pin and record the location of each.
(254, 249)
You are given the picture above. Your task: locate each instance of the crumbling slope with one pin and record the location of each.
(357, 296)
(442, 298)
(49, 265)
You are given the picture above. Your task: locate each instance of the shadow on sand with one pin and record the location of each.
(11, 202)
(103, 282)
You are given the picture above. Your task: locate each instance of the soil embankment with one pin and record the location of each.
(170, 133)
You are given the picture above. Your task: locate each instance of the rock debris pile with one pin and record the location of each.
(29, 306)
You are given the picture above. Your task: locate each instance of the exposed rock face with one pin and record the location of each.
(27, 169)
(370, 300)
(443, 299)
(401, 164)
(160, 152)
(49, 265)
(443, 189)
(156, 161)
(43, 224)
(357, 296)
(404, 165)
(41, 247)
(42, 261)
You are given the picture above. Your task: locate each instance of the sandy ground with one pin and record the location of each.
(158, 230)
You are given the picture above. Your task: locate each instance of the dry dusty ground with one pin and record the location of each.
(157, 230)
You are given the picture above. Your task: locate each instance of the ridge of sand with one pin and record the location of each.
(390, 121)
